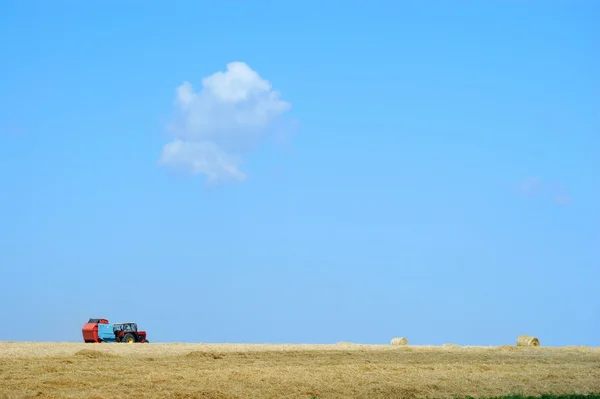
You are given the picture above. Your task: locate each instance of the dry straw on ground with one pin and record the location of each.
(72, 370)
(450, 346)
(526, 340)
(399, 341)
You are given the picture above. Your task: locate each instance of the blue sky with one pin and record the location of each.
(360, 172)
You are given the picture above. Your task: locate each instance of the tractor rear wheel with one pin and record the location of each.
(129, 338)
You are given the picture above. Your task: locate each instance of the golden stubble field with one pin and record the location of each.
(73, 370)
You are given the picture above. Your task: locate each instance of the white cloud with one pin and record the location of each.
(201, 157)
(215, 127)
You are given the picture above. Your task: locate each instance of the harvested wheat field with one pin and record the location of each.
(72, 370)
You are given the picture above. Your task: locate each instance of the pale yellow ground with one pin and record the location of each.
(71, 370)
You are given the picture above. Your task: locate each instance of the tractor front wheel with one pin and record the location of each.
(129, 338)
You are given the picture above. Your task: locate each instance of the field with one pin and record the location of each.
(73, 370)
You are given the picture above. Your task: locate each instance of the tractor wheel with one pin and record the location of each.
(129, 338)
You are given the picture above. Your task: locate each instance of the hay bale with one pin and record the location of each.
(399, 341)
(526, 340)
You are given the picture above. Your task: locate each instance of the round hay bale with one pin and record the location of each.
(399, 341)
(526, 340)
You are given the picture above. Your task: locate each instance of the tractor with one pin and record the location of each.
(99, 330)
(128, 332)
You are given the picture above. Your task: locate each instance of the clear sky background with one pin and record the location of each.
(307, 172)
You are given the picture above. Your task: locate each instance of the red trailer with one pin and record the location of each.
(90, 330)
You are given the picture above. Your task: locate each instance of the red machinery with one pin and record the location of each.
(99, 330)
(90, 330)
(128, 332)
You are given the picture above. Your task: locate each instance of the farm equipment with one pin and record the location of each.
(128, 332)
(99, 330)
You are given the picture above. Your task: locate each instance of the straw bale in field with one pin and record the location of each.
(399, 341)
(526, 340)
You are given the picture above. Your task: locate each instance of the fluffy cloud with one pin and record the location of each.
(215, 127)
